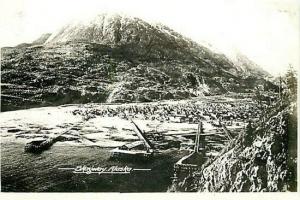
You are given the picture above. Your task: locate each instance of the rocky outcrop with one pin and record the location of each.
(263, 159)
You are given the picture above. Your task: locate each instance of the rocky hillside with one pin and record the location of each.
(115, 58)
(264, 158)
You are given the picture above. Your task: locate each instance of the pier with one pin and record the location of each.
(142, 149)
(192, 162)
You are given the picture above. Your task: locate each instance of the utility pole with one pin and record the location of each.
(279, 87)
(280, 95)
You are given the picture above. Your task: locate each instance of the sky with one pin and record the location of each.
(266, 31)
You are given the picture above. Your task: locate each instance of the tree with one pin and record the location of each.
(258, 96)
(291, 82)
(249, 134)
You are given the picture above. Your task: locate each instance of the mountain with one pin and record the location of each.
(116, 58)
(249, 67)
(42, 39)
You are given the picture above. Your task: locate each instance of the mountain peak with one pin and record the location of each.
(133, 36)
(106, 28)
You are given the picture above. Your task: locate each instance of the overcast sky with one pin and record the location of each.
(267, 31)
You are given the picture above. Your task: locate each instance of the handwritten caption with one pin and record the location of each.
(102, 170)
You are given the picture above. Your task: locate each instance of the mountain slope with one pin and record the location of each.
(116, 58)
(264, 158)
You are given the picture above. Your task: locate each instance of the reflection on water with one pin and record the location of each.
(24, 172)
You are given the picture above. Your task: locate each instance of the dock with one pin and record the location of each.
(192, 162)
(138, 150)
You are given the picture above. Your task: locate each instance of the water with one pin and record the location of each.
(25, 172)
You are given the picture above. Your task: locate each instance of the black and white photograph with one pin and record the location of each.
(149, 96)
